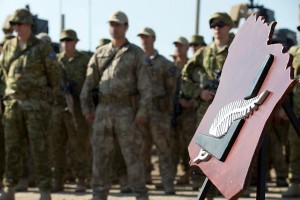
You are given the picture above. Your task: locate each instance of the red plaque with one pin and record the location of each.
(246, 56)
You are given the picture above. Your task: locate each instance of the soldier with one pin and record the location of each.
(32, 79)
(184, 115)
(197, 42)
(200, 75)
(294, 165)
(68, 125)
(7, 30)
(158, 127)
(122, 74)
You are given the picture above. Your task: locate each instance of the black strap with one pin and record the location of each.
(113, 56)
(17, 55)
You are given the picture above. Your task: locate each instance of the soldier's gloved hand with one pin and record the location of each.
(207, 95)
(90, 117)
(184, 103)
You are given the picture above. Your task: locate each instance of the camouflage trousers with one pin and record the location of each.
(2, 150)
(158, 130)
(68, 143)
(26, 120)
(186, 126)
(115, 122)
(294, 167)
(277, 143)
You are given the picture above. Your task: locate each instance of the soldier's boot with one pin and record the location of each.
(22, 185)
(8, 193)
(197, 181)
(293, 191)
(57, 185)
(45, 195)
(184, 179)
(142, 197)
(99, 196)
(124, 187)
(281, 182)
(169, 189)
(81, 185)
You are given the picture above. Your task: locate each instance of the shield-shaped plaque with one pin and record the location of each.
(256, 77)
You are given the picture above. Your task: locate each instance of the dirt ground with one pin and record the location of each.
(182, 192)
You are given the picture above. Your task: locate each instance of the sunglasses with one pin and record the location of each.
(194, 45)
(67, 40)
(217, 24)
(16, 24)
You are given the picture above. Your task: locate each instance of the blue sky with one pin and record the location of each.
(169, 18)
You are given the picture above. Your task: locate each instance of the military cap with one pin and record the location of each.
(119, 17)
(181, 40)
(103, 41)
(22, 16)
(222, 16)
(147, 31)
(6, 25)
(68, 34)
(44, 36)
(197, 39)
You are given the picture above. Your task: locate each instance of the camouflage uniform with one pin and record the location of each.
(124, 93)
(32, 80)
(204, 63)
(63, 130)
(2, 148)
(294, 165)
(159, 126)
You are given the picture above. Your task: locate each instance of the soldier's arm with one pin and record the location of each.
(170, 80)
(143, 86)
(2, 75)
(189, 86)
(53, 71)
(91, 81)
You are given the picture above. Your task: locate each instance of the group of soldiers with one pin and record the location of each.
(101, 116)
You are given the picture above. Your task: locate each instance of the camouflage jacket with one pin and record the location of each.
(121, 73)
(295, 51)
(35, 70)
(73, 72)
(204, 61)
(163, 83)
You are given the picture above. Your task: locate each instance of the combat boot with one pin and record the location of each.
(81, 185)
(22, 185)
(293, 191)
(184, 179)
(8, 193)
(124, 187)
(169, 188)
(281, 182)
(45, 195)
(57, 185)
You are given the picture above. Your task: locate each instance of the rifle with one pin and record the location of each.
(208, 83)
(68, 92)
(177, 109)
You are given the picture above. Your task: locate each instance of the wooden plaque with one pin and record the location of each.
(247, 54)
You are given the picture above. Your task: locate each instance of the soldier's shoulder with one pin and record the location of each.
(294, 50)
(136, 49)
(104, 48)
(83, 55)
(10, 43)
